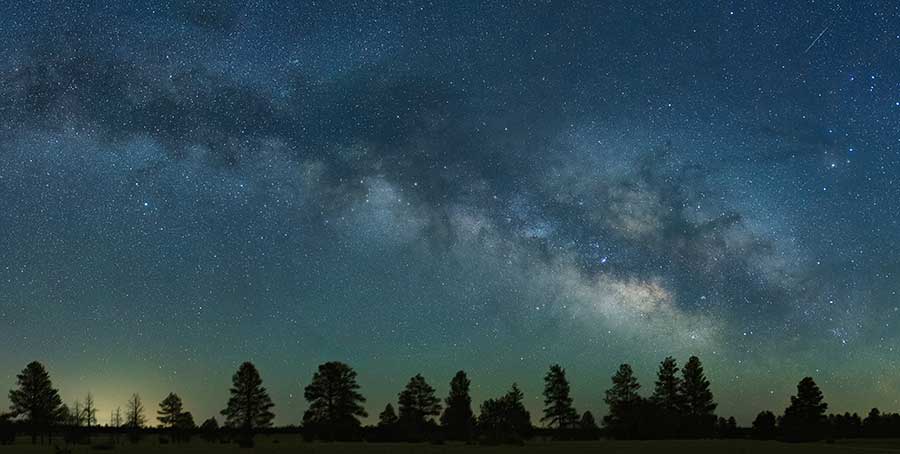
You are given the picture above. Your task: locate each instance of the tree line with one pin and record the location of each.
(681, 405)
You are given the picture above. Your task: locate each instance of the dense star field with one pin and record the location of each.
(422, 187)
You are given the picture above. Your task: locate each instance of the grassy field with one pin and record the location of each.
(293, 444)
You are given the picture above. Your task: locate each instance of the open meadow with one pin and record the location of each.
(294, 444)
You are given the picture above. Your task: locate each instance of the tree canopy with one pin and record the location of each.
(666, 393)
(558, 410)
(624, 403)
(680, 406)
(804, 418)
(696, 400)
(249, 407)
(334, 401)
(458, 419)
(418, 404)
(35, 399)
(388, 417)
(505, 419)
(170, 411)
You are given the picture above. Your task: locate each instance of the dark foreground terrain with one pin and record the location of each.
(293, 444)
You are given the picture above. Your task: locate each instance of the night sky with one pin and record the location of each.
(433, 186)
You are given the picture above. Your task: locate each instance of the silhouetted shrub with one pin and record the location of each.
(845, 425)
(209, 430)
(764, 426)
(726, 428)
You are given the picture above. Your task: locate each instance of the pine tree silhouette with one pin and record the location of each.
(804, 419)
(624, 404)
(844, 425)
(388, 417)
(36, 400)
(209, 430)
(558, 410)
(726, 427)
(417, 407)
(172, 417)
(666, 398)
(388, 427)
(505, 419)
(458, 419)
(170, 410)
(696, 401)
(764, 426)
(334, 402)
(666, 389)
(249, 407)
(184, 427)
(587, 421)
(587, 427)
(874, 424)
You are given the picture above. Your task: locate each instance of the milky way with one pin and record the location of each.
(419, 187)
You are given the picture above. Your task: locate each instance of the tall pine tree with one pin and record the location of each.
(388, 428)
(804, 419)
(666, 398)
(249, 407)
(666, 389)
(696, 401)
(36, 400)
(624, 403)
(458, 419)
(558, 410)
(418, 405)
(334, 402)
(170, 410)
(515, 399)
